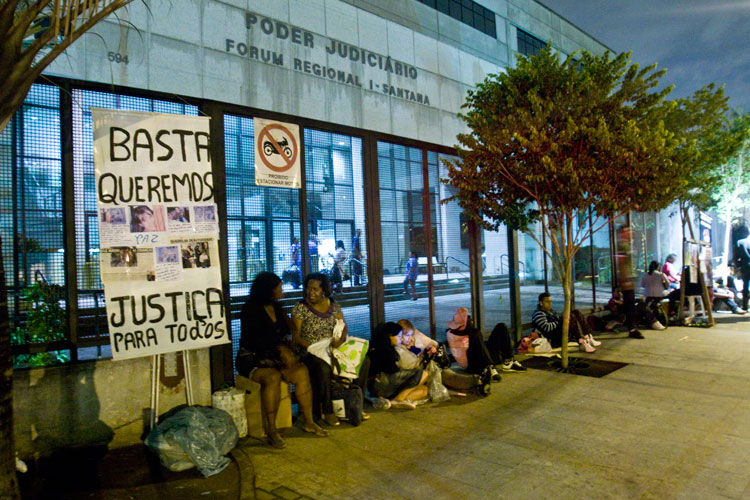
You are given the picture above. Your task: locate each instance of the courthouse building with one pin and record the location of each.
(375, 87)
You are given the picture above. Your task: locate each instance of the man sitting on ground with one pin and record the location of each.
(723, 295)
(549, 324)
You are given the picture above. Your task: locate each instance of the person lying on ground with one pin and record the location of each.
(402, 388)
(265, 355)
(547, 322)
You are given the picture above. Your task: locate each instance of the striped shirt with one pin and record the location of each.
(545, 321)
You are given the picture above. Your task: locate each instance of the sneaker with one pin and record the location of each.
(405, 404)
(739, 310)
(495, 376)
(513, 366)
(585, 345)
(657, 326)
(380, 403)
(593, 341)
(635, 334)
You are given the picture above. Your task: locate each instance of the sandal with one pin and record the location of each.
(317, 431)
(275, 441)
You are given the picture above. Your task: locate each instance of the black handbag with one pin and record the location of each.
(352, 398)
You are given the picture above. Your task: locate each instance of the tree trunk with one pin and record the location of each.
(8, 480)
(568, 295)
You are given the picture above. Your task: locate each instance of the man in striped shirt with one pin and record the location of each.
(546, 321)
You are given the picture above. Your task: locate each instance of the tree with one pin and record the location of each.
(34, 34)
(561, 140)
(734, 183)
(707, 142)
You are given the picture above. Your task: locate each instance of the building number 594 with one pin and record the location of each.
(117, 57)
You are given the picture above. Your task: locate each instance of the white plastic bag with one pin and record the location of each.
(407, 360)
(541, 345)
(232, 401)
(437, 391)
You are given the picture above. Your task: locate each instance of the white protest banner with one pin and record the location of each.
(277, 154)
(158, 233)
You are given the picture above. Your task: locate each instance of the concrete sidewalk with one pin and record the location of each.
(671, 424)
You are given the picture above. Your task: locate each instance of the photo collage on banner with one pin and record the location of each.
(158, 232)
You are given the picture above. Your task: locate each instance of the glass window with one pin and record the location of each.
(336, 221)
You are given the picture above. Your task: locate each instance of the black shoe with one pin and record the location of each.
(635, 334)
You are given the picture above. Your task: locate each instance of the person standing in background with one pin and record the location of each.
(625, 279)
(357, 257)
(412, 272)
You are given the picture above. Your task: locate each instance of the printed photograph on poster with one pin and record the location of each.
(167, 255)
(113, 227)
(197, 253)
(178, 218)
(113, 216)
(205, 219)
(126, 263)
(168, 263)
(147, 219)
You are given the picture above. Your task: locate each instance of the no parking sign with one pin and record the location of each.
(277, 154)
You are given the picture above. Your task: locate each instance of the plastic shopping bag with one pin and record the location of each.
(232, 401)
(437, 391)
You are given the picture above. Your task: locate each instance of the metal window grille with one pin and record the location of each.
(31, 207)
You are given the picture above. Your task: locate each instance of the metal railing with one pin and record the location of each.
(447, 267)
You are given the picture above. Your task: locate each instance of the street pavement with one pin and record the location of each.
(673, 423)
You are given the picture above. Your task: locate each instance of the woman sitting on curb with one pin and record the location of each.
(314, 319)
(401, 387)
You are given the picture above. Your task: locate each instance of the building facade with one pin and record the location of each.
(375, 87)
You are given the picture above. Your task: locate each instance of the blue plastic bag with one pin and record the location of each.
(194, 436)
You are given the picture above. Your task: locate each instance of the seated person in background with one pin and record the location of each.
(500, 349)
(656, 287)
(616, 308)
(723, 295)
(548, 323)
(468, 348)
(670, 271)
(265, 355)
(401, 387)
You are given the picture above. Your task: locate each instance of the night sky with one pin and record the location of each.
(697, 41)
